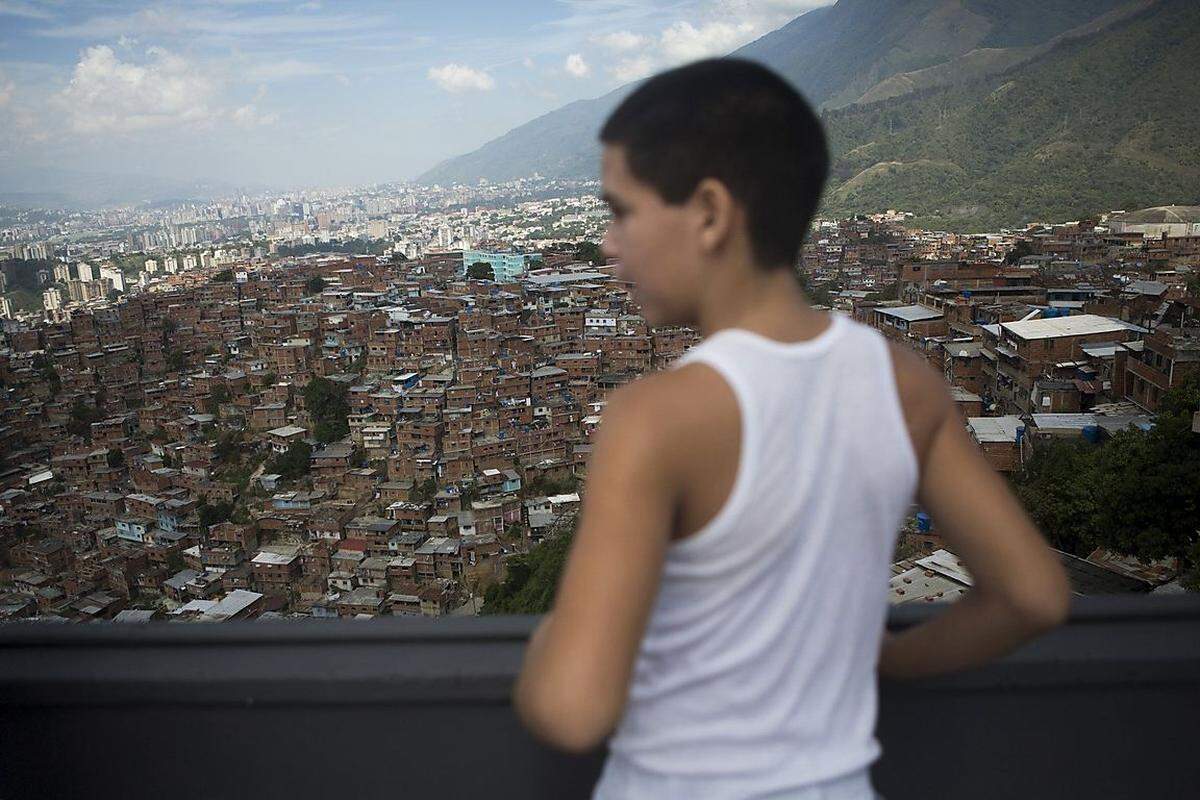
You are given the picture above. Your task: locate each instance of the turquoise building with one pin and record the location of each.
(506, 265)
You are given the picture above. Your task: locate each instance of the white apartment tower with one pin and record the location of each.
(52, 299)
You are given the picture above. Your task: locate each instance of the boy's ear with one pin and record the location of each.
(716, 213)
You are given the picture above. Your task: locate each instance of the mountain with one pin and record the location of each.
(834, 54)
(1095, 123)
(972, 113)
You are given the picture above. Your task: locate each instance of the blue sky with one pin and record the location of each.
(322, 93)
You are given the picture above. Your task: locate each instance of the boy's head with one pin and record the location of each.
(714, 163)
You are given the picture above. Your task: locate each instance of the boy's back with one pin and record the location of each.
(756, 672)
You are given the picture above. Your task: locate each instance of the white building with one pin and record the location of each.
(115, 275)
(51, 299)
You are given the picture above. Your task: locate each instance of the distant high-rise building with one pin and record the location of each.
(62, 273)
(37, 250)
(51, 299)
(189, 262)
(115, 275)
(151, 266)
(206, 259)
(171, 264)
(6, 308)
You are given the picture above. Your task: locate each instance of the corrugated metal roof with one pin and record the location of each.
(994, 429)
(1054, 327)
(915, 313)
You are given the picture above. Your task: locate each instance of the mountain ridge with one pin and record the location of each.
(834, 54)
(1089, 118)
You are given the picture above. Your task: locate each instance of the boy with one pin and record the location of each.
(723, 604)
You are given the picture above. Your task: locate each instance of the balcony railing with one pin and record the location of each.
(1104, 707)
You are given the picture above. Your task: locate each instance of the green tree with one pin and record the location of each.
(315, 285)
(326, 401)
(224, 276)
(176, 360)
(1137, 493)
(218, 397)
(531, 579)
(229, 446)
(293, 463)
(1023, 248)
(45, 368)
(589, 252)
(82, 417)
(425, 491)
(115, 457)
(1055, 486)
(211, 514)
(481, 270)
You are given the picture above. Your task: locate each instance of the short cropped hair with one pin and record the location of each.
(740, 123)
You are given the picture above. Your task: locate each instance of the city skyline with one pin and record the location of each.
(295, 94)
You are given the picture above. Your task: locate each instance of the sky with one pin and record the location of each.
(289, 93)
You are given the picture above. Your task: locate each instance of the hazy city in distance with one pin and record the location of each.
(303, 311)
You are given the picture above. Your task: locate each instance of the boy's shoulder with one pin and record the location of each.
(685, 393)
(924, 397)
(690, 413)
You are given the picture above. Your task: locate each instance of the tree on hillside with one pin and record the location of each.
(481, 270)
(294, 462)
(1137, 493)
(326, 401)
(532, 578)
(589, 252)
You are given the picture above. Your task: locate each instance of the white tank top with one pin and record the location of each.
(756, 674)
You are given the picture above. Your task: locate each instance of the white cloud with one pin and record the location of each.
(577, 66)
(6, 92)
(108, 94)
(623, 41)
(685, 42)
(342, 79)
(248, 116)
(460, 78)
(632, 69)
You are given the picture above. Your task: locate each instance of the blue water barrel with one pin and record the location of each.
(924, 523)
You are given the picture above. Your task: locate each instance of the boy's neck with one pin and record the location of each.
(767, 302)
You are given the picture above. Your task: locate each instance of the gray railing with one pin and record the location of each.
(1104, 707)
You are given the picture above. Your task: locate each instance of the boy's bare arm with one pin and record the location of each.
(575, 678)
(1020, 587)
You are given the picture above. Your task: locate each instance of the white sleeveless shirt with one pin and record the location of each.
(756, 674)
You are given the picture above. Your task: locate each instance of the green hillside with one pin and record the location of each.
(1097, 123)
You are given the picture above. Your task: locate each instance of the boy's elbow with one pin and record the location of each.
(1050, 607)
(562, 725)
